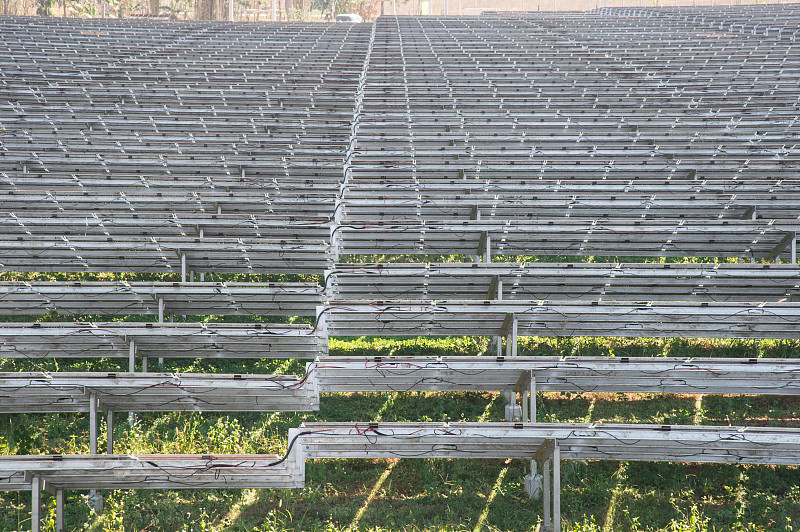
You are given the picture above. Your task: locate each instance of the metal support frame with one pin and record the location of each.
(36, 503)
(549, 455)
(110, 431)
(59, 510)
(131, 356)
(509, 331)
(499, 297)
(787, 240)
(160, 320)
(94, 497)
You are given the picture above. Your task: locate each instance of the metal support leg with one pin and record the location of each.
(93, 424)
(793, 252)
(59, 510)
(183, 267)
(499, 298)
(514, 338)
(160, 320)
(132, 369)
(510, 399)
(144, 364)
(556, 489)
(132, 356)
(533, 398)
(487, 253)
(36, 503)
(546, 498)
(93, 441)
(110, 431)
(524, 398)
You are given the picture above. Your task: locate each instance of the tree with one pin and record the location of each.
(206, 9)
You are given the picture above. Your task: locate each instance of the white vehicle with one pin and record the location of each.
(349, 17)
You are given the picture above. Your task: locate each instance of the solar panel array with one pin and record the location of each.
(151, 148)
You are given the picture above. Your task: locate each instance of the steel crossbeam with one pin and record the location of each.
(566, 282)
(578, 441)
(171, 340)
(149, 471)
(646, 238)
(122, 298)
(155, 392)
(557, 374)
(102, 253)
(561, 318)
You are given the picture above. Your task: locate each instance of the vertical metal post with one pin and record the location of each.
(514, 338)
(36, 503)
(183, 267)
(524, 397)
(59, 510)
(487, 253)
(556, 489)
(274, 4)
(93, 442)
(64, 6)
(103, 3)
(144, 364)
(511, 396)
(132, 369)
(110, 431)
(230, 10)
(499, 298)
(394, 8)
(93, 424)
(546, 497)
(160, 320)
(533, 397)
(793, 251)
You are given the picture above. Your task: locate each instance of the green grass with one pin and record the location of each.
(424, 494)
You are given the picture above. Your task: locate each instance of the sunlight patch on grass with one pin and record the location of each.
(247, 499)
(488, 410)
(492, 495)
(619, 487)
(698, 410)
(375, 489)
